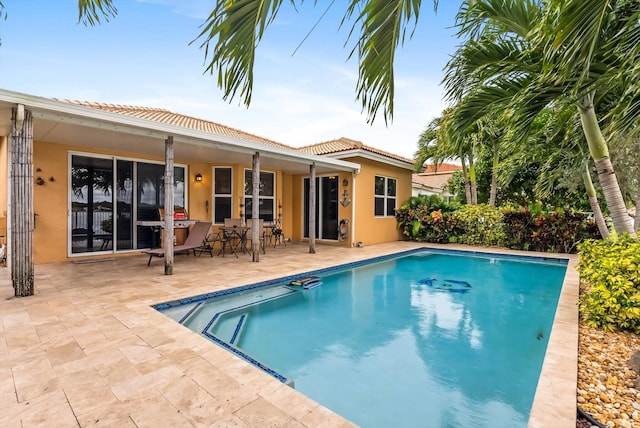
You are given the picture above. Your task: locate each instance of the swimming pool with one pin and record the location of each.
(442, 338)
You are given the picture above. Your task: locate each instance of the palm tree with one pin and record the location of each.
(515, 58)
(438, 144)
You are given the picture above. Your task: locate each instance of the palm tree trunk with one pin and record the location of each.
(636, 221)
(467, 184)
(494, 176)
(606, 175)
(472, 180)
(593, 201)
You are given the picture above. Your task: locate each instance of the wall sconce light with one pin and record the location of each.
(345, 182)
(198, 178)
(345, 199)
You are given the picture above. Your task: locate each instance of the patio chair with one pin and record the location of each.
(277, 235)
(211, 240)
(196, 241)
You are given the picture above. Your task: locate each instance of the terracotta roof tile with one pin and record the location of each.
(443, 167)
(346, 144)
(176, 119)
(434, 181)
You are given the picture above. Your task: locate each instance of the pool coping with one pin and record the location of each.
(554, 401)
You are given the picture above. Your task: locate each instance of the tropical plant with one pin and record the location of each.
(482, 225)
(516, 60)
(610, 271)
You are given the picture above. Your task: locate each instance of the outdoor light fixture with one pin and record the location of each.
(198, 177)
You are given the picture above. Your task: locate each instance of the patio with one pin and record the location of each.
(87, 349)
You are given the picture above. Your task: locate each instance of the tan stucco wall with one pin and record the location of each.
(199, 192)
(370, 229)
(50, 201)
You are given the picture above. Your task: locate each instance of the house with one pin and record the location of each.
(433, 180)
(91, 172)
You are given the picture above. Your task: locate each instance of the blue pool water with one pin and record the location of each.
(426, 339)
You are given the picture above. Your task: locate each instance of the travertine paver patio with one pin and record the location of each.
(88, 350)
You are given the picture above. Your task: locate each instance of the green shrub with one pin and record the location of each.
(518, 228)
(557, 232)
(480, 225)
(426, 218)
(610, 271)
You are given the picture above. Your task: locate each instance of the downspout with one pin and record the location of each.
(354, 174)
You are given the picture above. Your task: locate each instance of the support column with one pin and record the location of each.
(255, 209)
(22, 213)
(168, 206)
(312, 208)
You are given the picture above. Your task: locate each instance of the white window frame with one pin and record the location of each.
(214, 194)
(264, 197)
(385, 197)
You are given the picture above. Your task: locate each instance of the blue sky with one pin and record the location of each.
(142, 57)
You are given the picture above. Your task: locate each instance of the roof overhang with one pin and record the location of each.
(372, 156)
(80, 126)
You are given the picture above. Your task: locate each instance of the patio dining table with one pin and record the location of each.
(236, 236)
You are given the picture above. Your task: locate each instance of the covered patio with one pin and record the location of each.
(92, 156)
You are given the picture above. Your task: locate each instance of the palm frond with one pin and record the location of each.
(578, 35)
(230, 36)
(90, 12)
(382, 25)
(516, 17)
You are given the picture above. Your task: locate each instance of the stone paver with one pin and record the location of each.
(88, 350)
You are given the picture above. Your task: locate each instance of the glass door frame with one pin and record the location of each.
(134, 211)
(320, 202)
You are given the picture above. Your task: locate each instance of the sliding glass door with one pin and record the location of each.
(91, 204)
(326, 207)
(98, 196)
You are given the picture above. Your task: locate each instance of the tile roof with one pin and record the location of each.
(442, 168)
(176, 119)
(434, 181)
(346, 144)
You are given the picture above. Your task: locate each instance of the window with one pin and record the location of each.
(385, 196)
(267, 195)
(221, 194)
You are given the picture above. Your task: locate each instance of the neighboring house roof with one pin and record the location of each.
(433, 178)
(431, 181)
(442, 168)
(346, 147)
(177, 119)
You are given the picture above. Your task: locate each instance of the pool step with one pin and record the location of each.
(229, 327)
(238, 329)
